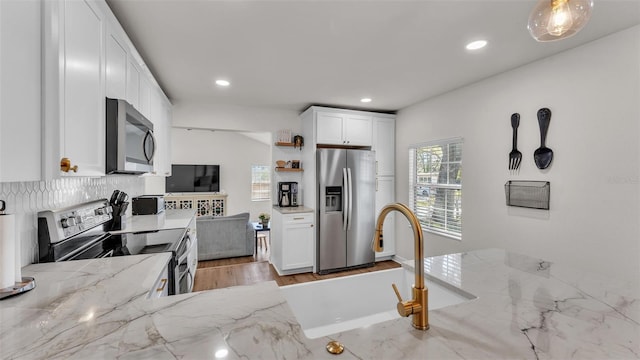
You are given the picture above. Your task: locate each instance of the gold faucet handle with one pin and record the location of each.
(395, 288)
(405, 308)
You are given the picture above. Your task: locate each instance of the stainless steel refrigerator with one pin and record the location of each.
(346, 211)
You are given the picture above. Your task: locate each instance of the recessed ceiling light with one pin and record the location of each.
(475, 45)
(221, 82)
(365, 100)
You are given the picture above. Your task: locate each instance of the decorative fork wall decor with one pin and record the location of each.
(515, 156)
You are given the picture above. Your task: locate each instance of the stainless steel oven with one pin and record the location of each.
(81, 232)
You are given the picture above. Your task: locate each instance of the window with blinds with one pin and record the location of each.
(435, 186)
(260, 183)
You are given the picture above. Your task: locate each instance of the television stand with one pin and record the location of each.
(205, 203)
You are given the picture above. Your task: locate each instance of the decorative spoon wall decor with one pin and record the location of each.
(543, 155)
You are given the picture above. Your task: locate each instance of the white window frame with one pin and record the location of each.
(425, 191)
(264, 187)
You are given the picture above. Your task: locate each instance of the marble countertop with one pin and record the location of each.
(526, 308)
(168, 219)
(292, 210)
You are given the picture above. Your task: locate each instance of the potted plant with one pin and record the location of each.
(264, 219)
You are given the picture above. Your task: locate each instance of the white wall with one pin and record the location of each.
(233, 117)
(241, 118)
(235, 153)
(593, 92)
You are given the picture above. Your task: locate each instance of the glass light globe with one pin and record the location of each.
(553, 20)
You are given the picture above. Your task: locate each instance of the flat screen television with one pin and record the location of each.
(193, 178)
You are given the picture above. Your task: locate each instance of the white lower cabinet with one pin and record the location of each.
(292, 242)
(161, 286)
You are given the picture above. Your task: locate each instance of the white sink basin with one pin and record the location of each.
(330, 306)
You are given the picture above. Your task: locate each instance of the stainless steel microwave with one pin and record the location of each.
(130, 141)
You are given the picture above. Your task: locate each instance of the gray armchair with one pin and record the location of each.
(224, 236)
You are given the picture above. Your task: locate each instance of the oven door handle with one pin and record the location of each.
(106, 255)
(189, 248)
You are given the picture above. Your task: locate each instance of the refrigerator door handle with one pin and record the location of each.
(350, 216)
(345, 199)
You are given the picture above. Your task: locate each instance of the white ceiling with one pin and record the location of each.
(291, 54)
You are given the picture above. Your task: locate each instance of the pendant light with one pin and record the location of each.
(553, 20)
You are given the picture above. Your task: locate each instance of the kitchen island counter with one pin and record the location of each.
(526, 308)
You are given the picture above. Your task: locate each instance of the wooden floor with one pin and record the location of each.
(217, 274)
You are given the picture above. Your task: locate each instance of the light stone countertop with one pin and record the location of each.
(292, 210)
(526, 309)
(168, 219)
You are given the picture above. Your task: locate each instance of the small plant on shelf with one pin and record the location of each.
(264, 218)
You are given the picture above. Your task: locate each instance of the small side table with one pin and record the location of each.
(258, 227)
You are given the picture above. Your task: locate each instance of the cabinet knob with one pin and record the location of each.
(65, 165)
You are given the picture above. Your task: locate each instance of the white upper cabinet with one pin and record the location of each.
(335, 128)
(86, 57)
(74, 88)
(384, 130)
(133, 84)
(145, 97)
(161, 119)
(20, 100)
(117, 59)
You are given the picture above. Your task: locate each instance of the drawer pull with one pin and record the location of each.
(164, 283)
(298, 218)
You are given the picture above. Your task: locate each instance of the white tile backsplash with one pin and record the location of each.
(26, 199)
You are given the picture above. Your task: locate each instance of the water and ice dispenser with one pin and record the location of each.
(333, 198)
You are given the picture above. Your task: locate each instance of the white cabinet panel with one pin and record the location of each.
(84, 100)
(116, 71)
(329, 129)
(145, 97)
(385, 194)
(357, 130)
(161, 286)
(74, 88)
(336, 128)
(297, 245)
(384, 145)
(133, 84)
(292, 242)
(160, 116)
(20, 88)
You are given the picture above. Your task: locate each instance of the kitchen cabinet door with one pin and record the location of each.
(329, 129)
(145, 96)
(384, 145)
(297, 244)
(161, 286)
(133, 84)
(74, 88)
(20, 89)
(161, 131)
(343, 129)
(357, 130)
(385, 194)
(116, 66)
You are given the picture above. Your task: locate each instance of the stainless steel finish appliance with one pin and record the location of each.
(130, 142)
(82, 232)
(287, 194)
(346, 211)
(147, 204)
